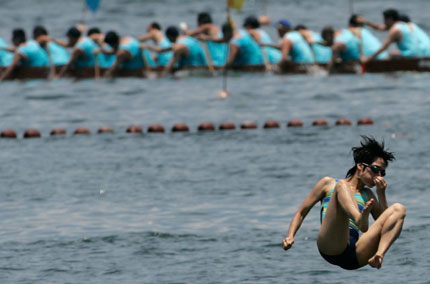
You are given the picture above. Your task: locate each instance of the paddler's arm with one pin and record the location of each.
(376, 26)
(286, 46)
(336, 49)
(10, 49)
(60, 42)
(146, 37)
(232, 54)
(317, 194)
(155, 48)
(121, 56)
(178, 51)
(17, 57)
(202, 29)
(75, 55)
(273, 45)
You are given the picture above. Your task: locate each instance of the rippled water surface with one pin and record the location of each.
(199, 207)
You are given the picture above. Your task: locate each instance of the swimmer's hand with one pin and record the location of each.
(287, 243)
(380, 183)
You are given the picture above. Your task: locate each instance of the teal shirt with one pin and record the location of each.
(164, 57)
(196, 55)
(371, 44)
(6, 57)
(34, 54)
(87, 45)
(322, 53)
(106, 60)
(423, 40)
(408, 46)
(132, 46)
(301, 51)
(274, 55)
(59, 54)
(249, 50)
(218, 51)
(352, 43)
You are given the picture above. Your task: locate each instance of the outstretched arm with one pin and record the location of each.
(202, 29)
(376, 26)
(316, 195)
(16, 58)
(75, 55)
(178, 51)
(337, 48)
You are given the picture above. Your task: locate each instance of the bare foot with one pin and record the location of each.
(363, 223)
(376, 261)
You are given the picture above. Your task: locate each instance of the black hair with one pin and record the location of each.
(300, 27)
(353, 22)
(391, 14)
(404, 18)
(227, 28)
(19, 35)
(252, 22)
(156, 25)
(327, 31)
(73, 32)
(204, 18)
(93, 30)
(39, 31)
(172, 31)
(368, 152)
(112, 39)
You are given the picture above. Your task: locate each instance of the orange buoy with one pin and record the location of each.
(206, 126)
(156, 128)
(365, 121)
(105, 129)
(134, 129)
(271, 124)
(320, 122)
(58, 131)
(223, 94)
(82, 130)
(32, 133)
(343, 121)
(295, 123)
(227, 125)
(180, 127)
(8, 133)
(248, 125)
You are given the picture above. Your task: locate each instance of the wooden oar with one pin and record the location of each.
(208, 57)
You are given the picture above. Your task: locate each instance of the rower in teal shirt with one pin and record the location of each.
(249, 51)
(28, 53)
(138, 58)
(57, 54)
(370, 44)
(351, 43)
(196, 55)
(299, 49)
(5, 56)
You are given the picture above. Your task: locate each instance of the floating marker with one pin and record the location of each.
(134, 129)
(180, 127)
(82, 130)
(8, 133)
(227, 125)
(156, 128)
(271, 124)
(105, 129)
(248, 125)
(58, 131)
(206, 126)
(295, 123)
(343, 121)
(365, 121)
(32, 133)
(320, 122)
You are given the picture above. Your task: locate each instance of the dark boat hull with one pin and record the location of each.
(377, 66)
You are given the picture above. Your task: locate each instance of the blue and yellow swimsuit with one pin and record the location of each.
(348, 259)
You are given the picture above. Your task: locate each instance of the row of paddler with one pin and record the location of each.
(183, 127)
(208, 45)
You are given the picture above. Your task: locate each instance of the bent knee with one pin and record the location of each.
(399, 209)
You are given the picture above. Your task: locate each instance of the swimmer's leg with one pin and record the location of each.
(372, 245)
(333, 236)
